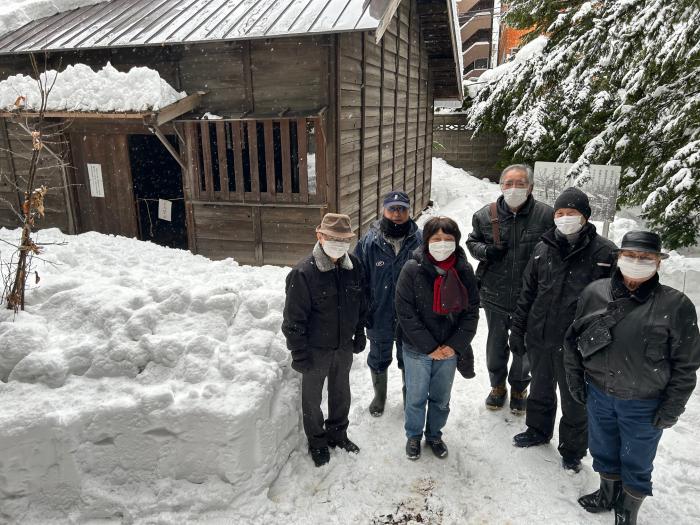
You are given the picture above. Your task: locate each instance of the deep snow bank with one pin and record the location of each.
(140, 380)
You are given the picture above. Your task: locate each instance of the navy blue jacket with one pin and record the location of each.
(382, 268)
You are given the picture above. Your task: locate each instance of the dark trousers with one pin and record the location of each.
(622, 439)
(380, 354)
(498, 353)
(333, 365)
(548, 372)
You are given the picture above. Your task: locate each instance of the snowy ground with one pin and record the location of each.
(150, 385)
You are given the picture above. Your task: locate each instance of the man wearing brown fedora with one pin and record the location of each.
(324, 320)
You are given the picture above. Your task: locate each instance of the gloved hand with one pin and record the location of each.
(495, 253)
(359, 343)
(663, 421)
(465, 363)
(577, 389)
(301, 361)
(516, 342)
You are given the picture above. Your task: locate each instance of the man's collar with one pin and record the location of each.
(326, 264)
(641, 294)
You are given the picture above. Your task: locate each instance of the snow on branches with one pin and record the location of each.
(612, 83)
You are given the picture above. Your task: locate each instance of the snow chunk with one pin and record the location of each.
(79, 88)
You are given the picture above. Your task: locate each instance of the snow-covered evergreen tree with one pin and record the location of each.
(615, 82)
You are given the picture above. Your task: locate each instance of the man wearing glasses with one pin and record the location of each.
(503, 237)
(324, 316)
(383, 251)
(631, 358)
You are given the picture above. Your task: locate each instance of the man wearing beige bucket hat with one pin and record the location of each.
(324, 320)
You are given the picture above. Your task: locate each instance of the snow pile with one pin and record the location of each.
(16, 13)
(141, 379)
(79, 88)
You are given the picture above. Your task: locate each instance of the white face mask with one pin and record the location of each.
(569, 224)
(335, 249)
(441, 250)
(515, 197)
(636, 268)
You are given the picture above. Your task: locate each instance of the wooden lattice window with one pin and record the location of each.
(258, 159)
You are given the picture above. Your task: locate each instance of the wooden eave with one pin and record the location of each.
(159, 117)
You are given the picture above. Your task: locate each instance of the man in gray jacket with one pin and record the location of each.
(503, 236)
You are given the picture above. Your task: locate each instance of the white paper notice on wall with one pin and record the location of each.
(165, 209)
(97, 189)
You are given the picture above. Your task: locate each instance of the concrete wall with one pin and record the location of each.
(477, 155)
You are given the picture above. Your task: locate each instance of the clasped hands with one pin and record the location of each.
(442, 352)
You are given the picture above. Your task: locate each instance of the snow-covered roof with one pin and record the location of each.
(119, 23)
(79, 88)
(129, 23)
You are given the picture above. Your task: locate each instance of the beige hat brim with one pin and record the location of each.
(337, 235)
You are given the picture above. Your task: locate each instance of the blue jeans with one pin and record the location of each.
(621, 437)
(380, 354)
(428, 382)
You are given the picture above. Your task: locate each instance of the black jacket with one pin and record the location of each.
(324, 310)
(500, 281)
(420, 326)
(553, 281)
(654, 351)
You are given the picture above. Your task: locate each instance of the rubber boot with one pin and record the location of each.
(605, 498)
(376, 407)
(627, 508)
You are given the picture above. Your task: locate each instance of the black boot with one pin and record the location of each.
(376, 407)
(345, 444)
(627, 508)
(321, 455)
(530, 438)
(413, 448)
(603, 499)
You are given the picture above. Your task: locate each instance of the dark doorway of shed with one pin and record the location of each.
(158, 177)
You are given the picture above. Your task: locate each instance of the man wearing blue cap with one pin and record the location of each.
(383, 251)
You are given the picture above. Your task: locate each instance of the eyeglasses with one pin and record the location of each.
(641, 256)
(521, 184)
(397, 209)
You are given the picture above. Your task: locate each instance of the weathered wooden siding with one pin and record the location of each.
(386, 114)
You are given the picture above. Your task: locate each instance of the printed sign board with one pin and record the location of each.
(97, 189)
(601, 187)
(165, 209)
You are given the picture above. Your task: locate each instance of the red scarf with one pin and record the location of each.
(449, 294)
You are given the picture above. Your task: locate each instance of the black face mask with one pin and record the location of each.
(391, 229)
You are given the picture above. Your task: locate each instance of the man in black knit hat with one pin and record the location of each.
(383, 251)
(567, 259)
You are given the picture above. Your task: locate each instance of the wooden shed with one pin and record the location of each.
(324, 105)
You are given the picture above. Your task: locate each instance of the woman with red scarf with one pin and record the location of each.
(437, 305)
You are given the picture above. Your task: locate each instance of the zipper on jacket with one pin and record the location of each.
(339, 295)
(515, 254)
